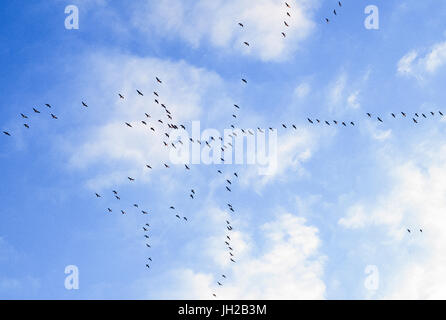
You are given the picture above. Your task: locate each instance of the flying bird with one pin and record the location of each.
(159, 81)
(121, 96)
(7, 133)
(35, 110)
(84, 104)
(139, 92)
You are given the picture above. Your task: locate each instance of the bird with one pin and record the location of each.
(287, 5)
(408, 230)
(84, 104)
(244, 80)
(283, 34)
(334, 11)
(228, 189)
(379, 119)
(121, 96)
(440, 112)
(246, 43)
(235, 174)
(7, 133)
(97, 195)
(393, 115)
(403, 114)
(139, 92)
(35, 110)
(26, 125)
(53, 116)
(369, 115)
(286, 24)
(128, 125)
(148, 166)
(339, 3)
(109, 210)
(24, 116)
(309, 120)
(49, 106)
(144, 212)
(147, 266)
(414, 120)
(327, 20)
(158, 79)
(219, 283)
(131, 179)
(241, 24)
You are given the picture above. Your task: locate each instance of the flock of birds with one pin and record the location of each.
(160, 128)
(334, 12)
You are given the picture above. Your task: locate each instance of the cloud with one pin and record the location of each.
(290, 267)
(416, 65)
(216, 22)
(302, 90)
(118, 149)
(414, 199)
(352, 100)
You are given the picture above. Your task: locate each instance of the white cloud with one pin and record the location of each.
(290, 267)
(217, 23)
(352, 100)
(119, 149)
(418, 66)
(415, 200)
(302, 90)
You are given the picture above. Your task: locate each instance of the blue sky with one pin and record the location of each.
(340, 200)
